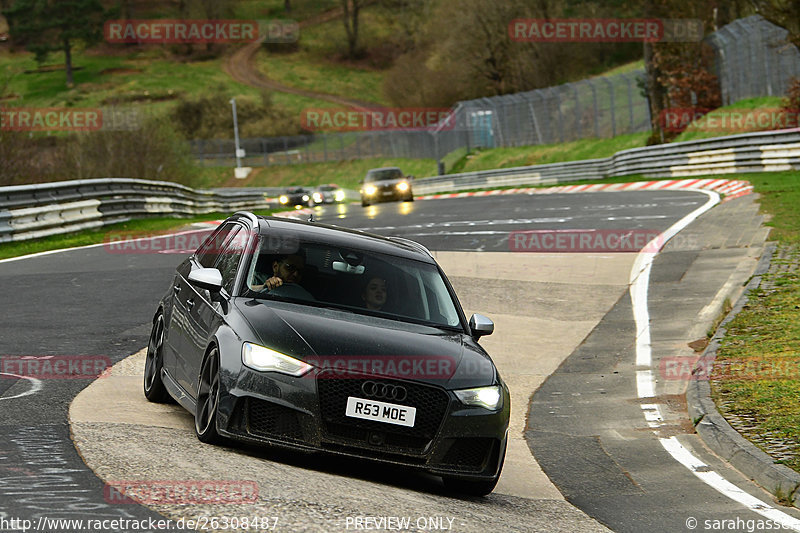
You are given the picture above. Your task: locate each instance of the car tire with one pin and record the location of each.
(364, 204)
(480, 487)
(409, 198)
(205, 415)
(154, 389)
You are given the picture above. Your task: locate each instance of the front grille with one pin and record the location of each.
(469, 453)
(430, 402)
(266, 419)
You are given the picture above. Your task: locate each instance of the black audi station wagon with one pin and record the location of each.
(318, 338)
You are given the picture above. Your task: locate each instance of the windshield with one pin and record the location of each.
(353, 280)
(385, 174)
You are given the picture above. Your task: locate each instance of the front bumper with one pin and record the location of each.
(307, 414)
(387, 194)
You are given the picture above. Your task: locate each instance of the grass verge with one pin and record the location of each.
(756, 381)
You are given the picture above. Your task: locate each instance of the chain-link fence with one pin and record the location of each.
(754, 59)
(597, 107)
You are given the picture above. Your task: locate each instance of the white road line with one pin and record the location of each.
(646, 385)
(114, 243)
(701, 470)
(36, 386)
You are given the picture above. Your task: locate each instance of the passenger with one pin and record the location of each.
(374, 293)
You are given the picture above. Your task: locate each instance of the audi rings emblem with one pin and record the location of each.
(384, 391)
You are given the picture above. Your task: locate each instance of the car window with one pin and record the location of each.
(386, 174)
(353, 279)
(229, 257)
(208, 252)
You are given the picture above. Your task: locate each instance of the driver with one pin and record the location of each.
(287, 272)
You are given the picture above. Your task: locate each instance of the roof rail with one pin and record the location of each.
(414, 244)
(249, 215)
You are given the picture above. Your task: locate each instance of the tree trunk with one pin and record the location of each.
(68, 62)
(655, 93)
(350, 19)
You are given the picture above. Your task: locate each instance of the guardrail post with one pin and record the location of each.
(612, 107)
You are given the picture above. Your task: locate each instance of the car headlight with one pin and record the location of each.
(338, 196)
(402, 186)
(284, 199)
(305, 197)
(369, 190)
(266, 360)
(318, 197)
(487, 397)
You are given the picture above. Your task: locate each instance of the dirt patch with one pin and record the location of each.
(51, 68)
(233, 181)
(121, 70)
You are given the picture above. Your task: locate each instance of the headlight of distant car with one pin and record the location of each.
(305, 197)
(283, 199)
(338, 196)
(487, 397)
(317, 197)
(369, 190)
(266, 360)
(402, 186)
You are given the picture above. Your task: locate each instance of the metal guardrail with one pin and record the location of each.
(32, 211)
(749, 152)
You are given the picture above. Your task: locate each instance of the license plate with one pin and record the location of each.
(387, 193)
(391, 413)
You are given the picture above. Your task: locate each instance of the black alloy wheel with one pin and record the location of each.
(205, 417)
(154, 389)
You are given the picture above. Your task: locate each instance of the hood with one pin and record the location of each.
(343, 342)
(383, 183)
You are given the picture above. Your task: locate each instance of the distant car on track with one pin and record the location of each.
(312, 366)
(297, 197)
(328, 194)
(386, 184)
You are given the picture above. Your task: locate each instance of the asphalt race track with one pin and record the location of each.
(585, 427)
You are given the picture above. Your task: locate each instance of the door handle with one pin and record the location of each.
(177, 289)
(190, 303)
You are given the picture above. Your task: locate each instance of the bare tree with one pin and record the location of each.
(352, 10)
(784, 13)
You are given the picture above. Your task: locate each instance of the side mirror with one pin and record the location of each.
(206, 278)
(411, 177)
(480, 325)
